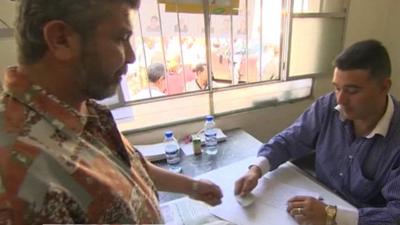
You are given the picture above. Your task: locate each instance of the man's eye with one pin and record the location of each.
(125, 37)
(352, 90)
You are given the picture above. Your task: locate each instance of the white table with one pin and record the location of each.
(194, 212)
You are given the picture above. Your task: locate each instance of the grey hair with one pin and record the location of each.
(81, 15)
(155, 72)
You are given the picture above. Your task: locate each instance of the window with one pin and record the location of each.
(230, 56)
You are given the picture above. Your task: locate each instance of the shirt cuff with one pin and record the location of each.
(262, 163)
(346, 216)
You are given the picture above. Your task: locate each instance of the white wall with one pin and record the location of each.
(394, 44)
(8, 49)
(377, 19)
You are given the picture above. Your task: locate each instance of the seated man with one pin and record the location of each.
(201, 80)
(156, 85)
(154, 25)
(355, 134)
(62, 158)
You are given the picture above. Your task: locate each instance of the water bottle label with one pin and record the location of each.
(210, 133)
(211, 141)
(172, 154)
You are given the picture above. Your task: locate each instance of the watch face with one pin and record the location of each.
(331, 211)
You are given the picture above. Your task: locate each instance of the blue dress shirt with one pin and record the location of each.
(364, 171)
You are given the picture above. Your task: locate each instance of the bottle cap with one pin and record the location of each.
(168, 133)
(209, 118)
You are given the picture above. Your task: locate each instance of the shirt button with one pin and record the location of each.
(341, 174)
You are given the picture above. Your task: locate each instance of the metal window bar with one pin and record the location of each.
(207, 20)
(144, 52)
(282, 43)
(247, 38)
(261, 40)
(182, 63)
(288, 8)
(232, 51)
(321, 5)
(162, 42)
(337, 15)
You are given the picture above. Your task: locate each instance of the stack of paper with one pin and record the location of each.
(153, 152)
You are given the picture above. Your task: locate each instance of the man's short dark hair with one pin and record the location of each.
(81, 15)
(368, 55)
(155, 72)
(199, 67)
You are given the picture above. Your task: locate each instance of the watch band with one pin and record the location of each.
(331, 211)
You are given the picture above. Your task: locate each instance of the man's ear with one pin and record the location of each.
(62, 41)
(386, 84)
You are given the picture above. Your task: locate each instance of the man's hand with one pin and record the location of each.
(206, 191)
(307, 210)
(248, 182)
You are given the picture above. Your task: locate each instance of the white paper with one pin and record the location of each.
(270, 204)
(187, 148)
(152, 152)
(186, 211)
(220, 136)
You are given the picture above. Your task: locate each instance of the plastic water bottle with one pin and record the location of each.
(210, 135)
(172, 152)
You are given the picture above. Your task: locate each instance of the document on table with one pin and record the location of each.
(270, 204)
(152, 152)
(185, 211)
(155, 152)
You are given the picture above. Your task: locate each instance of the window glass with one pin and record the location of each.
(246, 46)
(255, 45)
(271, 38)
(244, 43)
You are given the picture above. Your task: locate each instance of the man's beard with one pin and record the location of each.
(93, 81)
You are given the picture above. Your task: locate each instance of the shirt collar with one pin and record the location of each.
(382, 126)
(18, 86)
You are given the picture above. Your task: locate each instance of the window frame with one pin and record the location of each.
(284, 58)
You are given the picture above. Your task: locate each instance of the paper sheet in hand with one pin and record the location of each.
(245, 201)
(270, 204)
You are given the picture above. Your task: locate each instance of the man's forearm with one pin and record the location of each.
(169, 181)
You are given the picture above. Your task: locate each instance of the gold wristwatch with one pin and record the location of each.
(331, 211)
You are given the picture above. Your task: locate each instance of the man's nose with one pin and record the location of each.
(130, 54)
(340, 97)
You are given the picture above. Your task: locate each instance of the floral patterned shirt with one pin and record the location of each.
(58, 166)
